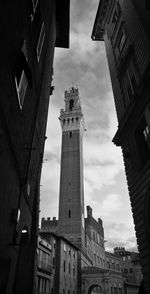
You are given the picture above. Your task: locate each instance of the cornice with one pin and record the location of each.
(99, 24)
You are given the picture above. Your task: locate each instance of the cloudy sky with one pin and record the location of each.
(105, 188)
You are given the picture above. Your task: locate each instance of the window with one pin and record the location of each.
(36, 23)
(53, 262)
(21, 86)
(64, 265)
(64, 247)
(142, 137)
(93, 236)
(117, 266)
(114, 20)
(70, 134)
(69, 268)
(54, 242)
(131, 270)
(40, 41)
(74, 270)
(23, 75)
(71, 104)
(69, 213)
(115, 17)
(121, 41)
(34, 3)
(146, 133)
(130, 81)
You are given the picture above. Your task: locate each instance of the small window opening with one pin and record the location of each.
(69, 213)
(71, 104)
(64, 265)
(70, 134)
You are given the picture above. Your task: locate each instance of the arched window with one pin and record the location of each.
(71, 104)
(68, 120)
(70, 134)
(64, 121)
(69, 213)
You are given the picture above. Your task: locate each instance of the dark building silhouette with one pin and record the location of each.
(29, 32)
(124, 26)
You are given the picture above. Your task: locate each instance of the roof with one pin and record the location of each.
(58, 237)
(62, 23)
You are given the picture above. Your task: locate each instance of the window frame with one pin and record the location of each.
(34, 6)
(40, 41)
(130, 79)
(21, 87)
(22, 75)
(142, 144)
(122, 38)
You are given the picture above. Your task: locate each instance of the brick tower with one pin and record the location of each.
(71, 198)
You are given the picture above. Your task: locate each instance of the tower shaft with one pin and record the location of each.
(71, 199)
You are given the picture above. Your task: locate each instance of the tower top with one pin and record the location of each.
(72, 99)
(71, 118)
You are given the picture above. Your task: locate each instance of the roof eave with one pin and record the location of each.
(62, 23)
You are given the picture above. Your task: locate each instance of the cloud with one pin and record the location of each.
(120, 235)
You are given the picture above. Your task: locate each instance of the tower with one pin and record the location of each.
(71, 198)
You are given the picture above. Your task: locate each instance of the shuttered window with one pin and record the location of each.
(23, 75)
(130, 80)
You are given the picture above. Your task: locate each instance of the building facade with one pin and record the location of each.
(131, 267)
(45, 271)
(30, 34)
(124, 27)
(94, 234)
(64, 263)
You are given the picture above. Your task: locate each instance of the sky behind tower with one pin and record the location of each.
(85, 65)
